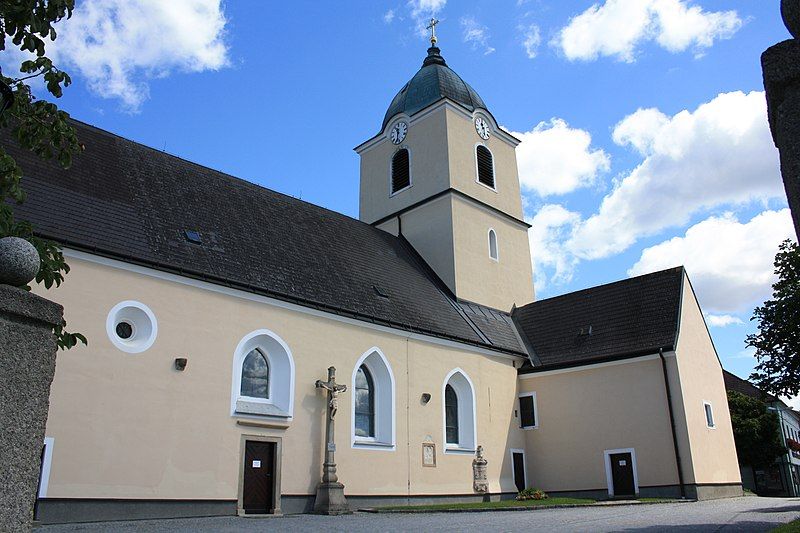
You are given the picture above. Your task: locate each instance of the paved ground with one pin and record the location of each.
(751, 514)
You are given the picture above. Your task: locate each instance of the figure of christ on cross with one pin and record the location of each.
(330, 493)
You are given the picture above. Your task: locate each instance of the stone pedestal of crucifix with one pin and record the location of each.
(330, 493)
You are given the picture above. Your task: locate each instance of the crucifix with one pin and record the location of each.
(330, 493)
(432, 26)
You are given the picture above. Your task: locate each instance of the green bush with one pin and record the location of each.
(531, 494)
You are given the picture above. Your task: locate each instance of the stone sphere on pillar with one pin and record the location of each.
(19, 261)
(790, 10)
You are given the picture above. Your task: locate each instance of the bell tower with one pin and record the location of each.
(442, 174)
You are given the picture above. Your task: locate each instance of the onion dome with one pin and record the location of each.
(434, 81)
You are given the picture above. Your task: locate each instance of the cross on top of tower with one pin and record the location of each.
(432, 26)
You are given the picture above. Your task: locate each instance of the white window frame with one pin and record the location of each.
(467, 414)
(141, 318)
(535, 410)
(610, 478)
(410, 176)
(477, 173)
(496, 256)
(385, 408)
(705, 414)
(47, 462)
(280, 403)
(511, 452)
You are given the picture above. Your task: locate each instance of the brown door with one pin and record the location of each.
(622, 474)
(259, 477)
(519, 470)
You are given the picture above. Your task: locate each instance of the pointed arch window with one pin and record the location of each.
(255, 375)
(365, 403)
(401, 170)
(451, 414)
(485, 163)
(460, 420)
(493, 244)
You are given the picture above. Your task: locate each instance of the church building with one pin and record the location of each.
(213, 305)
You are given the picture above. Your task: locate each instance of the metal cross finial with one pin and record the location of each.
(432, 26)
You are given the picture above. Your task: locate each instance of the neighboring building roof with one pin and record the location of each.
(628, 318)
(126, 201)
(743, 386)
(434, 81)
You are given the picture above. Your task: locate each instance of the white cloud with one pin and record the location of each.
(721, 321)
(388, 17)
(422, 11)
(719, 154)
(531, 39)
(476, 35)
(730, 263)
(556, 159)
(115, 46)
(618, 27)
(794, 403)
(551, 262)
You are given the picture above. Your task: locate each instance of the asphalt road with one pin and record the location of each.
(751, 514)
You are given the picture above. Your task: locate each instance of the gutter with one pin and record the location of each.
(672, 423)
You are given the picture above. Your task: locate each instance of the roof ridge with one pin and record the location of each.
(222, 173)
(604, 285)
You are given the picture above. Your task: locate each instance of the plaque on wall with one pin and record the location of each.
(428, 454)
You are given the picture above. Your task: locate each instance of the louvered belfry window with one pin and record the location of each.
(485, 166)
(401, 177)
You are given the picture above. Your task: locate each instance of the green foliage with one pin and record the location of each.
(756, 431)
(777, 342)
(36, 125)
(532, 494)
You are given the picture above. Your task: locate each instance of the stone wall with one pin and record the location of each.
(27, 364)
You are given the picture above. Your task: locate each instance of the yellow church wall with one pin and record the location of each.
(497, 283)
(713, 452)
(462, 140)
(131, 426)
(581, 413)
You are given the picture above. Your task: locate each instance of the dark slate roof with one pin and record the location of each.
(742, 386)
(434, 81)
(636, 316)
(126, 201)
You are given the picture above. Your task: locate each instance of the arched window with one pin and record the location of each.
(365, 403)
(493, 244)
(373, 409)
(401, 175)
(485, 165)
(459, 413)
(255, 375)
(451, 414)
(263, 377)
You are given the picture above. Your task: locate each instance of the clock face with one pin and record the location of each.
(398, 132)
(482, 127)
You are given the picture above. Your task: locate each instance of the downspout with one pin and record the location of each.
(672, 423)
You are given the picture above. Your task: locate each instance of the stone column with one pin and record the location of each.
(781, 68)
(27, 363)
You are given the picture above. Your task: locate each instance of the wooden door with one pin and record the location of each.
(622, 474)
(259, 477)
(519, 470)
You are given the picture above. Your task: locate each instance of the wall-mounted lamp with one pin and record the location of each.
(426, 397)
(180, 363)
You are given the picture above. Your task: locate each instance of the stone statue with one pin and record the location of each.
(330, 493)
(334, 390)
(781, 66)
(480, 482)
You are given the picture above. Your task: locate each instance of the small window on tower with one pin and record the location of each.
(401, 177)
(485, 166)
(493, 244)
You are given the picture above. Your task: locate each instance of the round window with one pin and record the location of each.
(131, 327)
(124, 330)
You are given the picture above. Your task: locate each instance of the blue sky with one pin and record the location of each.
(645, 142)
